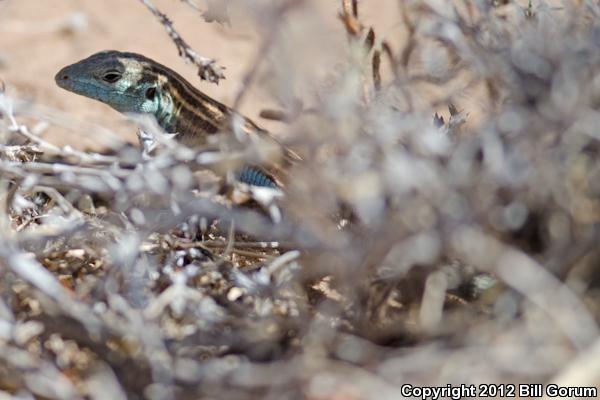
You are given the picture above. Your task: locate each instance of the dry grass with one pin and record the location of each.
(408, 248)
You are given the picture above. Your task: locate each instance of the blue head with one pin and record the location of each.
(120, 80)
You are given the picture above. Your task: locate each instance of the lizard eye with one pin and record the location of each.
(111, 76)
(150, 93)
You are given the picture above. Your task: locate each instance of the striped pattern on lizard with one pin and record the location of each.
(132, 83)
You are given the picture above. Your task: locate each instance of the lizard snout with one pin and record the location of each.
(63, 78)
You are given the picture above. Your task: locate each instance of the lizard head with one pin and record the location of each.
(115, 78)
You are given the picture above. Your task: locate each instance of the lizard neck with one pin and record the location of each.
(184, 109)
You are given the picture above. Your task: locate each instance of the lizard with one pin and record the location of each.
(132, 83)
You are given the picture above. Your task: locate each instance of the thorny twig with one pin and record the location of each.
(208, 68)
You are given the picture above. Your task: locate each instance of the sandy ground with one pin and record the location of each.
(38, 37)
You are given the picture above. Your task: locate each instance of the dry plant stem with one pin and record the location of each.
(432, 305)
(5, 201)
(583, 371)
(376, 71)
(349, 17)
(269, 38)
(275, 115)
(65, 151)
(103, 136)
(283, 260)
(370, 39)
(411, 41)
(251, 254)
(175, 151)
(533, 281)
(44, 145)
(45, 234)
(387, 50)
(26, 149)
(208, 69)
(55, 168)
(63, 203)
(233, 250)
(224, 256)
(246, 245)
(354, 27)
(230, 238)
(55, 182)
(192, 4)
(350, 7)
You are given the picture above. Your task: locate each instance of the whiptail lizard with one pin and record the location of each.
(132, 83)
